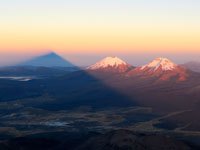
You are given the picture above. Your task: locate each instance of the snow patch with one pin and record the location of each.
(108, 62)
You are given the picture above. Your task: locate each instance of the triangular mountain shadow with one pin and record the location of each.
(69, 91)
(48, 60)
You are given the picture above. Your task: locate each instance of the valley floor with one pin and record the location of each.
(20, 121)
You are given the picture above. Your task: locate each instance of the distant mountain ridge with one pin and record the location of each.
(193, 65)
(48, 60)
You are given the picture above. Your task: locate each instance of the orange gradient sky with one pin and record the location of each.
(99, 28)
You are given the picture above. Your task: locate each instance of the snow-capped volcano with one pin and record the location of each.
(113, 64)
(162, 63)
(161, 68)
(108, 62)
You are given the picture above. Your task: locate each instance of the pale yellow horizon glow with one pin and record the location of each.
(100, 27)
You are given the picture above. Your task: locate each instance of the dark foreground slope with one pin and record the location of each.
(114, 140)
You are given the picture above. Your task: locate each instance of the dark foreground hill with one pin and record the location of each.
(114, 140)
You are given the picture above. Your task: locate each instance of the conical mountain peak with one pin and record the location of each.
(163, 63)
(108, 62)
(161, 68)
(113, 64)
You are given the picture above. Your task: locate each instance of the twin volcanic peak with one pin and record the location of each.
(113, 64)
(160, 68)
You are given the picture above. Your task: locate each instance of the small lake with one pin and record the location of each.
(57, 124)
(19, 78)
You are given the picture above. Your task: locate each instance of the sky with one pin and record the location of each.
(84, 31)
